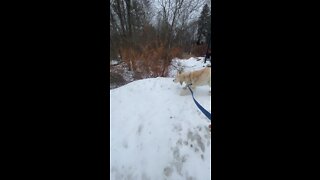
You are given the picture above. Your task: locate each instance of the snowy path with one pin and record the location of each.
(158, 134)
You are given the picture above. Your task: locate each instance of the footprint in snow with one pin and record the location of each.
(125, 144)
(140, 128)
(167, 171)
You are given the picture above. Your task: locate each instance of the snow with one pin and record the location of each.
(121, 69)
(114, 62)
(190, 64)
(158, 134)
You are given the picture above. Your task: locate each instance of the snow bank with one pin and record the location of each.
(190, 64)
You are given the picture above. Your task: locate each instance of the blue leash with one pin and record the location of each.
(205, 112)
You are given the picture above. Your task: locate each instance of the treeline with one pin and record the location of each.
(148, 34)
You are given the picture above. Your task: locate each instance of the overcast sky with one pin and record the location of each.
(156, 7)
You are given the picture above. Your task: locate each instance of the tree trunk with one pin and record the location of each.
(128, 3)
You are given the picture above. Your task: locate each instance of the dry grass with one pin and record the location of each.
(199, 50)
(187, 55)
(150, 61)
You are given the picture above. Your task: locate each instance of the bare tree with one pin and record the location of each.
(138, 39)
(177, 13)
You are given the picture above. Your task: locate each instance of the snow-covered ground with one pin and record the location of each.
(157, 134)
(114, 62)
(120, 74)
(190, 64)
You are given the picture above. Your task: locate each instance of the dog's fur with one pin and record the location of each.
(195, 78)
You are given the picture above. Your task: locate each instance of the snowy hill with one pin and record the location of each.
(190, 64)
(158, 134)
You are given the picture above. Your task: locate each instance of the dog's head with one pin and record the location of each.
(178, 78)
